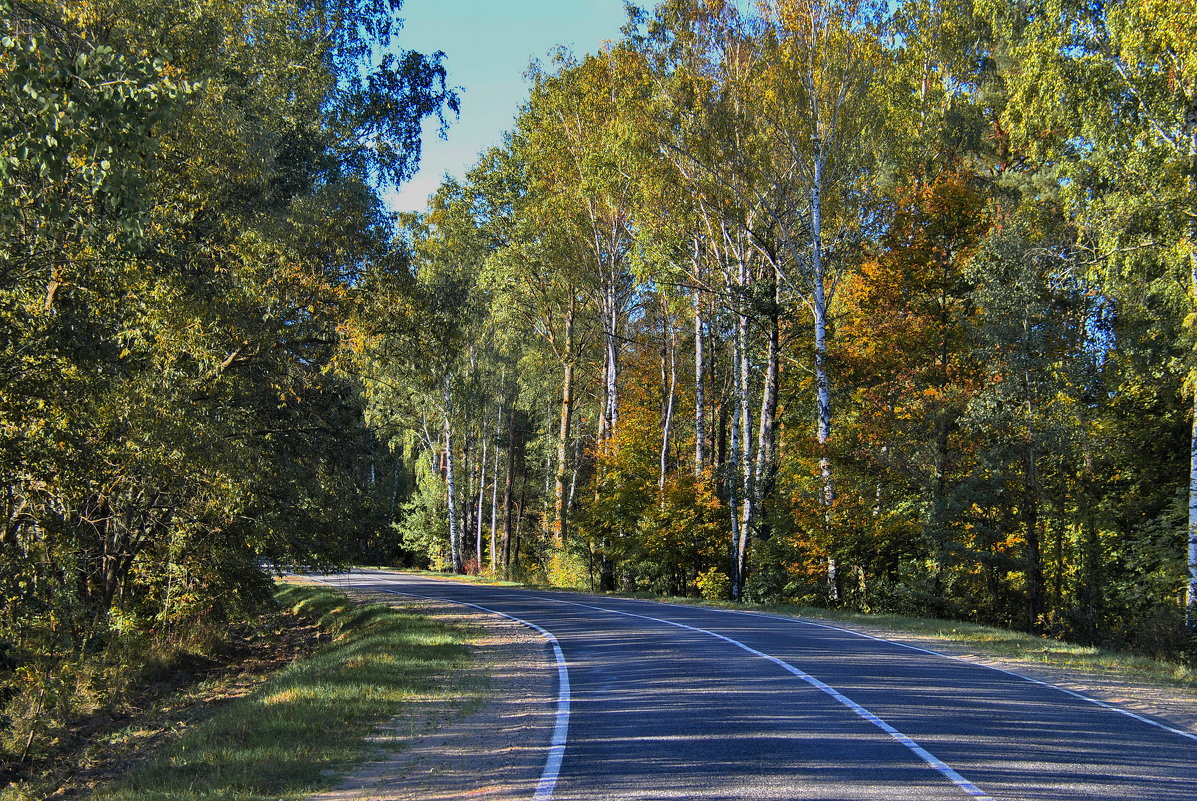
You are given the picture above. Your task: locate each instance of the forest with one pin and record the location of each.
(820, 303)
(843, 303)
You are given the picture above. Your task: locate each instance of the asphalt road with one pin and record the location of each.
(657, 701)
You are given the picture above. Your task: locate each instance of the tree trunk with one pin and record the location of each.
(494, 491)
(610, 310)
(574, 473)
(508, 492)
(1191, 594)
(1091, 594)
(742, 446)
(478, 515)
(733, 482)
(522, 507)
(766, 465)
(466, 493)
(451, 487)
(1034, 555)
(560, 498)
(668, 387)
(822, 380)
(819, 303)
(700, 457)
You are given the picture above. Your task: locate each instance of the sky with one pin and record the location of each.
(488, 46)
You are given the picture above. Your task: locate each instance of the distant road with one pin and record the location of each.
(658, 701)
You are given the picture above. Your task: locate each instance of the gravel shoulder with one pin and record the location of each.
(487, 741)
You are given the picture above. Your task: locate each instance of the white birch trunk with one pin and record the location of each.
(699, 389)
(822, 381)
(478, 516)
(670, 340)
(743, 471)
(733, 473)
(611, 366)
(819, 303)
(560, 501)
(451, 487)
(767, 433)
(494, 496)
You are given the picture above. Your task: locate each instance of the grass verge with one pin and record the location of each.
(308, 723)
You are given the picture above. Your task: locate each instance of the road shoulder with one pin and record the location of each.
(490, 744)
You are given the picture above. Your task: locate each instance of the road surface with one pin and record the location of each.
(659, 701)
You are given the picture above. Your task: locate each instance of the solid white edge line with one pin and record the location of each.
(547, 784)
(933, 761)
(1080, 696)
(552, 767)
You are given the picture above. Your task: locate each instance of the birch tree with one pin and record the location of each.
(540, 283)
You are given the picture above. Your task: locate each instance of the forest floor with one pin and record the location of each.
(277, 714)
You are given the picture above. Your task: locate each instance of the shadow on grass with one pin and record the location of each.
(311, 720)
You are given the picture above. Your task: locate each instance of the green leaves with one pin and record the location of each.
(180, 229)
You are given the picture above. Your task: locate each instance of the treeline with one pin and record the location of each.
(826, 302)
(186, 203)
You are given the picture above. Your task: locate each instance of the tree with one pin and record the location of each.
(1127, 92)
(184, 214)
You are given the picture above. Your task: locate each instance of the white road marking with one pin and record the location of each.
(552, 766)
(935, 762)
(547, 784)
(1081, 696)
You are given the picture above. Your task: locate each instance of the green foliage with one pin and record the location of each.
(183, 214)
(895, 304)
(713, 585)
(422, 527)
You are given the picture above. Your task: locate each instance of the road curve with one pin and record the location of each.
(659, 701)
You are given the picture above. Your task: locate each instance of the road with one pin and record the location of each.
(659, 701)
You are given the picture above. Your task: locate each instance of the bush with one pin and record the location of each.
(713, 585)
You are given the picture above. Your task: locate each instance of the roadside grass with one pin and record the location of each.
(948, 635)
(296, 733)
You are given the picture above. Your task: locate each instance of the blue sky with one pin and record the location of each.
(488, 45)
